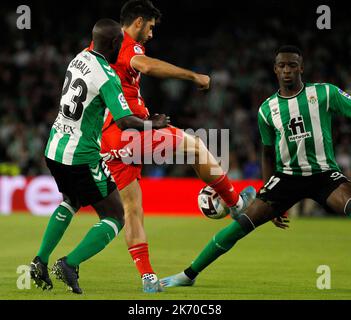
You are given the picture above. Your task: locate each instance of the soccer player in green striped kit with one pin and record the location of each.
(297, 162)
(73, 155)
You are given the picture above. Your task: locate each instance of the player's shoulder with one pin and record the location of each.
(103, 70)
(97, 59)
(84, 65)
(130, 50)
(332, 89)
(265, 105)
(131, 46)
(138, 48)
(89, 58)
(318, 85)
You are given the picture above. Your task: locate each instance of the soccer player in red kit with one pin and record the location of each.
(138, 19)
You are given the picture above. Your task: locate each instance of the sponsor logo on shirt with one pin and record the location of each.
(123, 101)
(85, 55)
(275, 111)
(343, 93)
(312, 99)
(138, 50)
(297, 128)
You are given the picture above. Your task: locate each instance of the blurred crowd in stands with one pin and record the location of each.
(238, 57)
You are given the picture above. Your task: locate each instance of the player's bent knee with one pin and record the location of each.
(120, 219)
(190, 144)
(133, 211)
(67, 204)
(119, 216)
(70, 204)
(347, 208)
(115, 212)
(246, 223)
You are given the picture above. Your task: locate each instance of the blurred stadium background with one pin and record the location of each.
(234, 44)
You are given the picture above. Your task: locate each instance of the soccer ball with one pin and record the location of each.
(211, 204)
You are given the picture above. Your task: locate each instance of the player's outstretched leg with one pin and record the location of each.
(248, 196)
(222, 242)
(210, 172)
(177, 280)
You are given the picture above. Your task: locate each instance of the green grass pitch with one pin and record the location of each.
(268, 264)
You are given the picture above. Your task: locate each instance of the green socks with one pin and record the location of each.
(57, 226)
(97, 238)
(221, 242)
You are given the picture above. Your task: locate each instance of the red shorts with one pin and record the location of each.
(126, 151)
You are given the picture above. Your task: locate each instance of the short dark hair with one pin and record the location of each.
(289, 49)
(133, 9)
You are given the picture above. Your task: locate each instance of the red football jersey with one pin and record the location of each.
(130, 78)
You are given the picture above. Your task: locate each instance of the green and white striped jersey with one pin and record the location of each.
(300, 128)
(91, 88)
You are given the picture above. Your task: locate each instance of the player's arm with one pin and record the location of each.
(161, 69)
(268, 151)
(268, 158)
(158, 121)
(268, 169)
(112, 95)
(268, 162)
(339, 101)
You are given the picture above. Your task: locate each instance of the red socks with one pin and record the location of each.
(140, 256)
(225, 190)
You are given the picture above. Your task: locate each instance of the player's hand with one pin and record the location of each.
(159, 121)
(202, 81)
(281, 222)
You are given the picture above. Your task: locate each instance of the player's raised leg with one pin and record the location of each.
(271, 204)
(257, 214)
(210, 172)
(135, 236)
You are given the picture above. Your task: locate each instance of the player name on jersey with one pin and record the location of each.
(81, 66)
